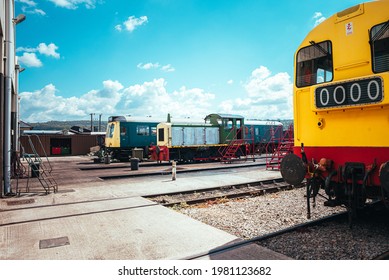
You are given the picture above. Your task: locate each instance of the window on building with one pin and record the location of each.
(314, 64)
(379, 38)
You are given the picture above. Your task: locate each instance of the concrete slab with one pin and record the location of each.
(111, 220)
(143, 233)
(246, 252)
(80, 208)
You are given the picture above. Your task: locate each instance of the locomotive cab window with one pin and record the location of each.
(314, 64)
(379, 38)
(111, 129)
(228, 123)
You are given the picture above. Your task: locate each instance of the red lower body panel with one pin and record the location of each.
(341, 155)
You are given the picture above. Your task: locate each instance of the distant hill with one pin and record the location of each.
(66, 125)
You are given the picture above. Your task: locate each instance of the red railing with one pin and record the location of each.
(282, 145)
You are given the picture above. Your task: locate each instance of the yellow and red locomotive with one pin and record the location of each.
(341, 108)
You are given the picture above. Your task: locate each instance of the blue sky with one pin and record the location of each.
(189, 58)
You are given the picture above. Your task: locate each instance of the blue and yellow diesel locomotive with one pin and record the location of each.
(128, 137)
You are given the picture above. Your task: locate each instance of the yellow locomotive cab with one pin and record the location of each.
(347, 101)
(341, 108)
(112, 138)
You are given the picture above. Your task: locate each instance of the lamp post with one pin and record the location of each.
(100, 122)
(9, 74)
(91, 121)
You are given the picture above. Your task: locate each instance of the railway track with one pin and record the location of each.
(77, 173)
(179, 170)
(332, 238)
(383, 256)
(210, 195)
(86, 166)
(295, 236)
(326, 238)
(259, 239)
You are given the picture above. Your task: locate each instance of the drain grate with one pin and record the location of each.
(54, 242)
(20, 201)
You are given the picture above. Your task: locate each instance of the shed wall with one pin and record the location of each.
(57, 145)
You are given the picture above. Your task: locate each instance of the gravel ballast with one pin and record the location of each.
(256, 216)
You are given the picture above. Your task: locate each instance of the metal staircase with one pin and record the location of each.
(230, 151)
(282, 147)
(39, 168)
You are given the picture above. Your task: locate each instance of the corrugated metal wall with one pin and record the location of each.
(74, 145)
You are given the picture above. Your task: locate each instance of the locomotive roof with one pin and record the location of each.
(225, 116)
(186, 123)
(135, 119)
(258, 122)
(321, 31)
(152, 119)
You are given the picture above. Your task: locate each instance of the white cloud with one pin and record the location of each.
(45, 104)
(49, 50)
(264, 96)
(168, 68)
(230, 82)
(268, 96)
(112, 85)
(28, 2)
(73, 4)
(149, 98)
(42, 48)
(132, 23)
(29, 7)
(318, 17)
(24, 49)
(29, 60)
(38, 12)
(150, 65)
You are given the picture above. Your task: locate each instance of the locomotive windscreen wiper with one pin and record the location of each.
(380, 32)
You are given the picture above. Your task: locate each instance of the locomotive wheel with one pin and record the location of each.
(293, 169)
(384, 179)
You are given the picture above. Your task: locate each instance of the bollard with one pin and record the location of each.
(134, 163)
(174, 170)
